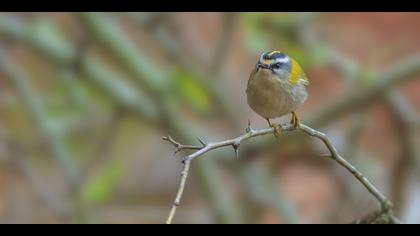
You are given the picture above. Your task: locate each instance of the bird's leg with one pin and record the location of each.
(269, 122)
(277, 128)
(295, 120)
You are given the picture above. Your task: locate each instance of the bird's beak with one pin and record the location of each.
(262, 65)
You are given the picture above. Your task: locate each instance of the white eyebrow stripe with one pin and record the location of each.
(261, 57)
(282, 60)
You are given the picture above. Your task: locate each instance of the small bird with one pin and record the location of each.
(277, 86)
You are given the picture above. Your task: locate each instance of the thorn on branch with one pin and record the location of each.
(202, 142)
(249, 128)
(236, 146)
(237, 153)
(179, 147)
(176, 144)
(176, 152)
(326, 155)
(171, 140)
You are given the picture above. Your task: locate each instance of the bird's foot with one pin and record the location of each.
(277, 130)
(295, 120)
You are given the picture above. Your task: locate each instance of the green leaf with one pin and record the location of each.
(102, 186)
(192, 92)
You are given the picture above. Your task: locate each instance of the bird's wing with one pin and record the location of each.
(297, 75)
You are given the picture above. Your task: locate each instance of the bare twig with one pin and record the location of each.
(378, 217)
(177, 202)
(250, 133)
(179, 147)
(384, 202)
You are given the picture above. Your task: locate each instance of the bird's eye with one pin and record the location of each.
(276, 65)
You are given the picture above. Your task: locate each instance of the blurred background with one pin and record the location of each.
(85, 99)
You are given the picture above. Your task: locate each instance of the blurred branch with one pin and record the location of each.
(150, 77)
(33, 104)
(128, 97)
(354, 133)
(405, 119)
(16, 29)
(250, 133)
(149, 19)
(107, 80)
(206, 79)
(102, 152)
(264, 189)
(155, 82)
(222, 46)
(402, 72)
(12, 27)
(43, 195)
(123, 93)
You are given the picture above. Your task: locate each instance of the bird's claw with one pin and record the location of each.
(277, 130)
(295, 120)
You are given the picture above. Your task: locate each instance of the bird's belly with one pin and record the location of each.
(269, 106)
(274, 100)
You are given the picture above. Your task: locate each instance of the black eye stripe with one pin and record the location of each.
(276, 65)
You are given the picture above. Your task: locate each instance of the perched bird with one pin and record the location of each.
(276, 87)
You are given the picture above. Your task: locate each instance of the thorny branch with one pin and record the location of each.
(179, 147)
(386, 206)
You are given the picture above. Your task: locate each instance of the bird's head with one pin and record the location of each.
(275, 61)
(284, 67)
